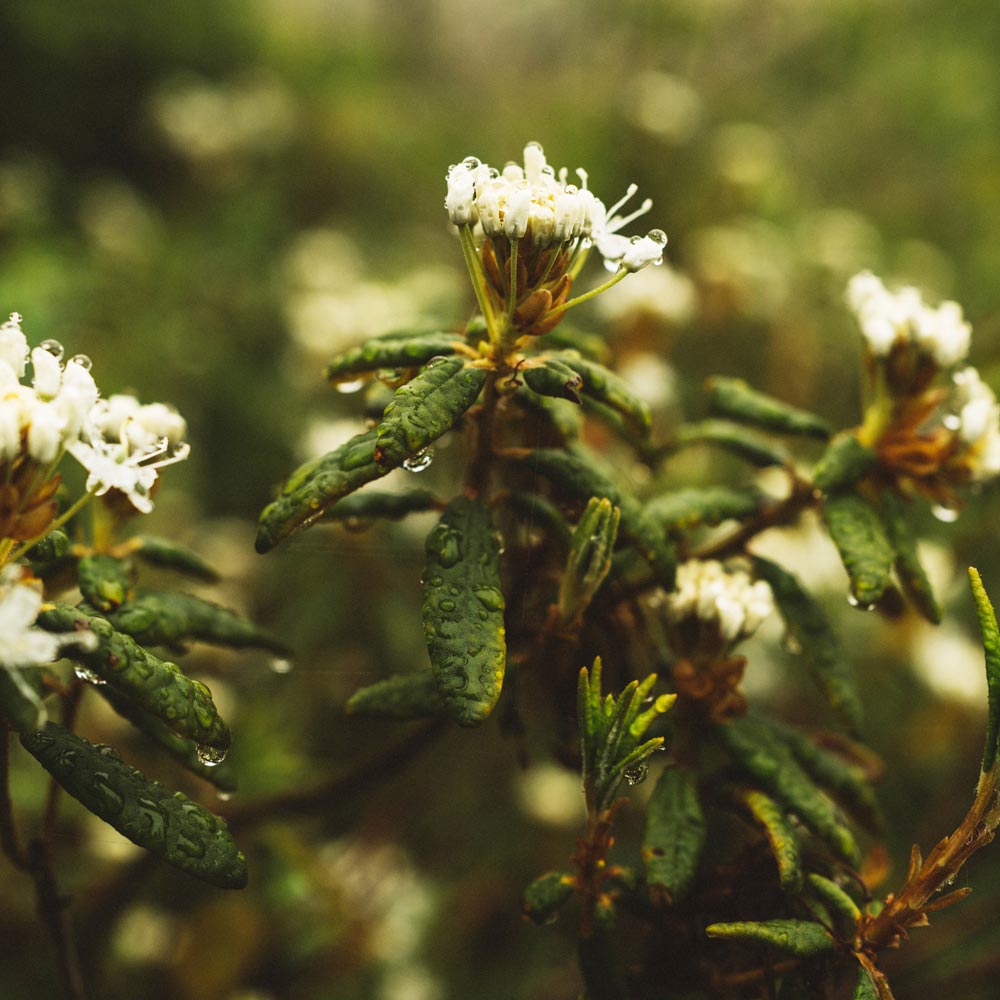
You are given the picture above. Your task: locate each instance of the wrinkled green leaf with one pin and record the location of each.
(168, 824)
(843, 463)
(864, 988)
(800, 938)
(675, 834)
(105, 581)
(780, 833)
(608, 389)
(911, 573)
(857, 530)
(463, 610)
(316, 486)
(837, 902)
(763, 756)
(732, 397)
(55, 545)
(682, 510)
(390, 352)
(546, 895)
(745, 444)
(221, 775)
(589, 558)
(808, 629)
(551, 377)
(369, 505)
(425, 407)
(991, 646)
(166, 618)
(403, 697)
(155, 685)
(165, 554)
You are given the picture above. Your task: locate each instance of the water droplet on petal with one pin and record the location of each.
(210, 756)
(948, 515)
(83, 360)
(85, 674)
(349, 387)
(422, 460)
(658, 236)
(636, 774)
(15, 318)
(54, 348)
(470, 163)
(860, 605)
(281, 665)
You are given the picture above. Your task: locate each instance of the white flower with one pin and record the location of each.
(21, 643)
(977, 423)
(125, 442)
(887, 317)
(13, 345)
(536, 201)
(709, 592)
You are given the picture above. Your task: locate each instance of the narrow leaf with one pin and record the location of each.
(403, 697)
(839, 904)
(780, 833)
(425, 407)
(858, 532)
(369, 505)
(168, 824)
(551, 377)
(690, 508)
(732, 397)
(167, 555)
(607, 388)
(843, 463)
(800, 938)
(809, 630)
(155, 685)
(911, 573)
(864, 988)
(463, 610)
(675, 834)
(991, 647)
(546, 895)
(392, 352)
(745, 444)
(105, 581)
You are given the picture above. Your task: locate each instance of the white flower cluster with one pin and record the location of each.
(533, 200)
(709, 592)
(977, 421)
(114, 439)
(887, 317)
(21, 643)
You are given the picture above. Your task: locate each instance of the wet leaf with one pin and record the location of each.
(377, 504)
(168, 824)
(911, 573)
(425, 407)
(551, 377)
(780, 833)
(732, 397)
(545, 896)
(809, 629)
(675, 834)
(682, 510)
(463, 610)
(837, 902)
(991, 646)
(857, 530)
(608, 389)
(745, 444)
(105, 581)
(405, 351)
(165, 554)
(843, 463)
(403, 697)
(800, 938)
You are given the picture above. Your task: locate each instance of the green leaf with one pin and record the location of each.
(682, 510)
(809, 629)
(911, 573)
(221, 775)
(857, 530)
(589, 558)
(763, 756)
(463, 610)
(155, 685)
(545, 896)
(800, 938)
(55, 545)
(780, 833)
(403, 697)
(732, 397)
(316, 486)
(864, 988)
(392, 352)
(168, 824)
(675, 834)
(166, 618)
(551, 377)
(568, 337)
(991, 647)
(369, 505)
(605, 387)
(105, 581)
(165, 554)
(839, 904)
(747, 445)
(20, 702)
(843, 463)
(576, 472)
(425, 407)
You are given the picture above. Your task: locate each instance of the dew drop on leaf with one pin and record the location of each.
(636, 774)
(88, 675)
(210, 756)
(860, 605)
(422, 460)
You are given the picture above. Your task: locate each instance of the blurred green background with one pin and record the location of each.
(211, 198)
